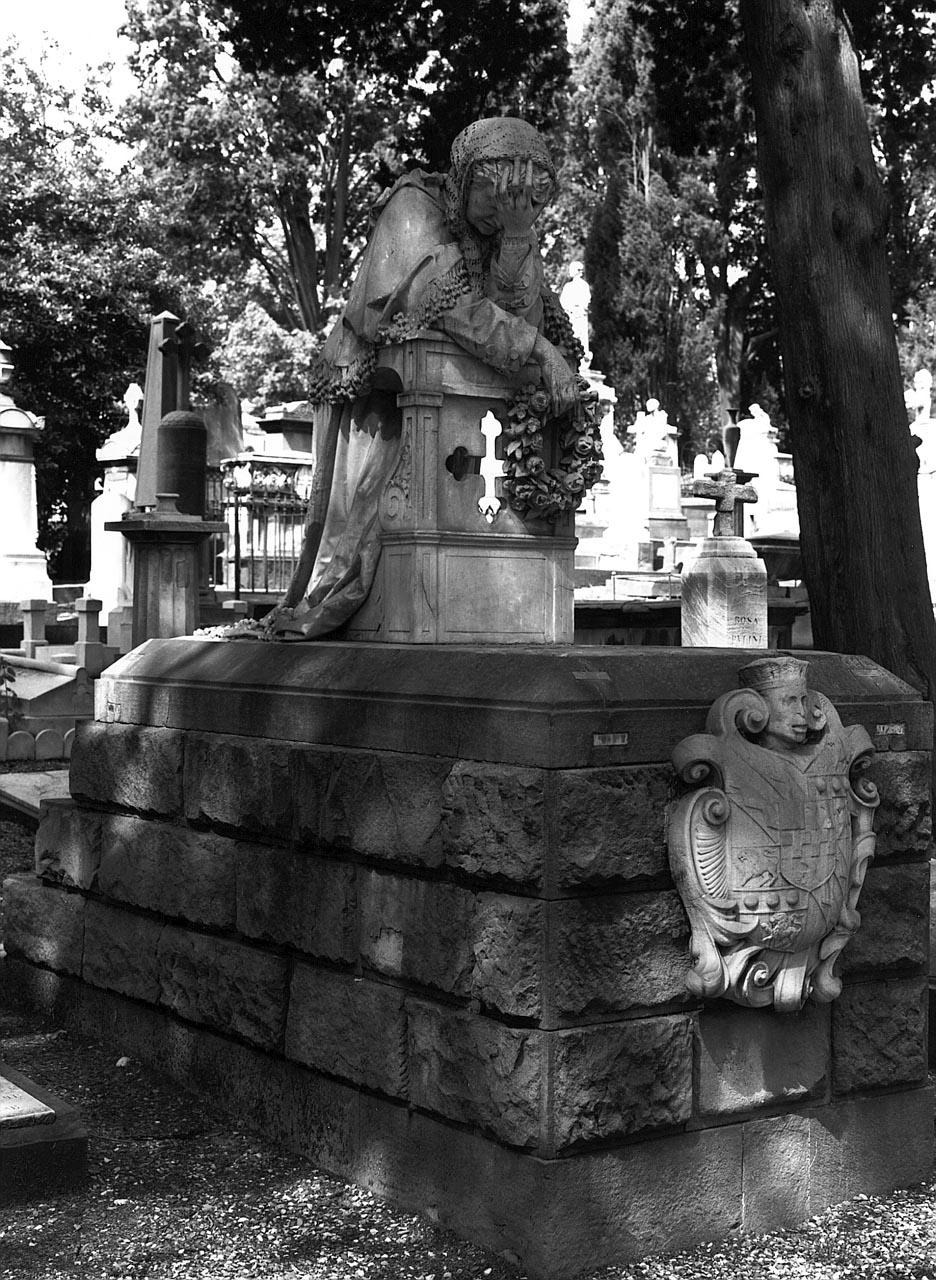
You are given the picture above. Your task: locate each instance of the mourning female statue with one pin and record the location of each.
(456, 253)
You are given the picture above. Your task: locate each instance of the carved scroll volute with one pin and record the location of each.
(396, 510)
(769, 853)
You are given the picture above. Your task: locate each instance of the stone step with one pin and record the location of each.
(43, 1144)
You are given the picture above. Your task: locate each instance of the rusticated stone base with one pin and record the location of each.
(559, 1217)
(412, 911)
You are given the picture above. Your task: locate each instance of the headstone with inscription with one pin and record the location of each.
(724, 590)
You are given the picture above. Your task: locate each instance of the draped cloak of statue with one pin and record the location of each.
(424, 267)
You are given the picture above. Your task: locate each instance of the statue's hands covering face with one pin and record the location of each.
(507, 196)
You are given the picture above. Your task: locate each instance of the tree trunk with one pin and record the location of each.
(336, 227)
(826, 214)
(303, 255)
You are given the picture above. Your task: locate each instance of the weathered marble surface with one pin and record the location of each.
(724, 597)
(18, 1108)
(770, 850)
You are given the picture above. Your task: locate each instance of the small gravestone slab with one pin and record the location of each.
(18, 1108)
(43, 1144)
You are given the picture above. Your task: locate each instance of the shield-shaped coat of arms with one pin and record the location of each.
(769, 853)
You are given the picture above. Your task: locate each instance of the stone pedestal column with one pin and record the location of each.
(724, 597)
(166, 546)
(445, 575)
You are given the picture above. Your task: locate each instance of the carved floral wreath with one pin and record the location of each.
(531, 487)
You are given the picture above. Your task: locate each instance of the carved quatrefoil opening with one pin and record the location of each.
(461, 464)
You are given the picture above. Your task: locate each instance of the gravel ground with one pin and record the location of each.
(176, 1192)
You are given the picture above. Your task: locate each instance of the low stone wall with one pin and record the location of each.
(23, 744)
(461, 981)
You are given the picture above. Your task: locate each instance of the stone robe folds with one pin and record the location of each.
(411, 253)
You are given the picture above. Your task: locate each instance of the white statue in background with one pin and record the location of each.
(655, 436)
(757, 449)
(919, 408)
(576, 300)
(919, 401)
(757, 453)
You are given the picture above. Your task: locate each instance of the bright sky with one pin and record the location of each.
(86, 33)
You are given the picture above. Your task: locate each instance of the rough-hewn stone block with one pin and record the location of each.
(749, 1058)
(222, 984)
(43, 924)
(385, 806)
(894, 929)
(173, 870)
(126, 765)
(418, 930)
(238, 783)
(619, 1079)
(492, 821)
(348, 1027)
(879, 1035)
(476, 1071)
(507, 945)
(903, 821)
(484, 946)
(121, 951)
(310, 772)
(296, 899)
(68, 843)
(611, 824)
(610, 954)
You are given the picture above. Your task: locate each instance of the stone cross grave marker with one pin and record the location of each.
(724, 590)
(729, 493)
(173, 346)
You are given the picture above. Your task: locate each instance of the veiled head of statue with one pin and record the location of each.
(488, 152)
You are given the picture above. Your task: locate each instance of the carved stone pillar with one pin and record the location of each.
(447, 575)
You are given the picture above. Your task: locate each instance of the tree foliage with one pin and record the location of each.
(826, 215)
(266, 142)
(652, 324)
(76, 283)
(449, 62)
(896, 44)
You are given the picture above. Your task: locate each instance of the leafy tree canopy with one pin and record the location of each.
(77, 279)
(453, 61)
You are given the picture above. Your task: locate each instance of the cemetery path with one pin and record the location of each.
(178, 1191)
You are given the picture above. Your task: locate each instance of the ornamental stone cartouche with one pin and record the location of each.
(770, 853)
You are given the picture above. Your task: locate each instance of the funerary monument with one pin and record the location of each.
(562, 946)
